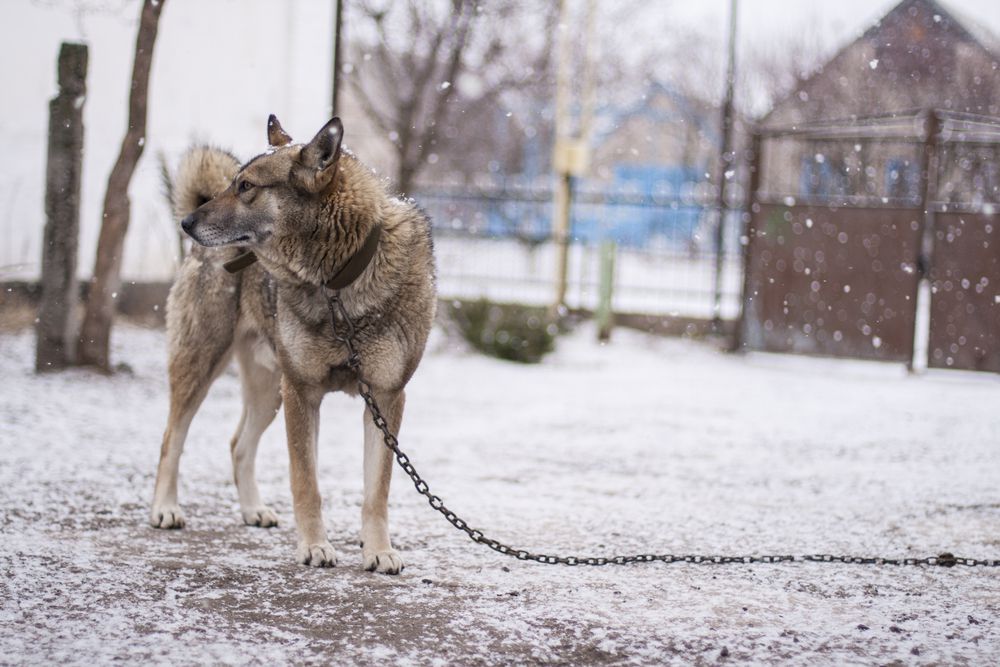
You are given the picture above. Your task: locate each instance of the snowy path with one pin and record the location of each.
(644, 445)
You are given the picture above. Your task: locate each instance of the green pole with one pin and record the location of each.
(604, 315)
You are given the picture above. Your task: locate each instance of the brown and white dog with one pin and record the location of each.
(305, 211)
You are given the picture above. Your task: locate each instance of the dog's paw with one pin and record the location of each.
(318, 555)
(166, 516)
(384, 562)
(262, 516)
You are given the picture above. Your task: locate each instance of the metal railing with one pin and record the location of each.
(496, 244)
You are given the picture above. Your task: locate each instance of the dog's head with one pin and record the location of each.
(272, 192)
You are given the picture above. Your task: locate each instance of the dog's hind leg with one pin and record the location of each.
(201, 325)
(261, 380)
(192, 371)
(376, 549)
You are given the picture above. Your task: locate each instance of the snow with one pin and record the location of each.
(642, 445)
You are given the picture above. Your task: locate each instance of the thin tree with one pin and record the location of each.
(463, 84)
(407, 98)
(95, 333)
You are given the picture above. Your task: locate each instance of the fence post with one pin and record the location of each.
(751, 206)
(726, 169)
(604, 314)
(338, 51)
(54, 331)
(928, 187)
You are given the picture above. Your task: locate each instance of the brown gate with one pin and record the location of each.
(833, 281)
(845, 223)
(965, 292)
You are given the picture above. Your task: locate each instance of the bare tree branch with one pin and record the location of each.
(95, 333)
(410, 59)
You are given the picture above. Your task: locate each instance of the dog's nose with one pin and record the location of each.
(187, 224)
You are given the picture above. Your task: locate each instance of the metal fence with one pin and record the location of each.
(496, 244)
(877, 238)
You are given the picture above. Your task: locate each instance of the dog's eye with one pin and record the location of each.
(243, 186)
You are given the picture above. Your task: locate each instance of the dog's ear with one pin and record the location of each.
(276, 135)
(322, 152)
(319, 156)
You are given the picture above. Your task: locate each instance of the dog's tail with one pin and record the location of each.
(203, 172)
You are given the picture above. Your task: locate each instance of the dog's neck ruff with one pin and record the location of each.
(345, 275)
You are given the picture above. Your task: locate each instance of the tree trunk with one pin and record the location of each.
(55, 326)
(405, 173)
(96, 331)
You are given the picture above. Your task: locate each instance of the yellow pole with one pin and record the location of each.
(570, 155)
(561, 193)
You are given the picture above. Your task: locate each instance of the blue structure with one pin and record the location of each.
(655, 205)
(652, 201)
(649, 202)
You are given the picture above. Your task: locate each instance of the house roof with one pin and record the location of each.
(963, 28)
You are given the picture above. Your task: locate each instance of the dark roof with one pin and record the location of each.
(957, 30)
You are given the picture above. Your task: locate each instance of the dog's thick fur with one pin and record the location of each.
(304, 210)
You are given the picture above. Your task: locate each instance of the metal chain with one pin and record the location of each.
(365, 390)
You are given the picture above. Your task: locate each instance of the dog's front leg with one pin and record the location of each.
(302, 425)
(377, 552)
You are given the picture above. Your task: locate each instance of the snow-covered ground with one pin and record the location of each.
(644, 445)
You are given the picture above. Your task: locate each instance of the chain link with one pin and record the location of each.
(365, 390)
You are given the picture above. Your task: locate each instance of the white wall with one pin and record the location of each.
(219, 69)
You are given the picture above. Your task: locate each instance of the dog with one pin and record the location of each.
(308, 213)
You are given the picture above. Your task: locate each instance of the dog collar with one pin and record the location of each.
(347, 274)
(357, 264)
(240, 262)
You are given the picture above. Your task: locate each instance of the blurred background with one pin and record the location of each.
(585, 155)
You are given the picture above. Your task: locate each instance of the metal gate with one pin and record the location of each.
(847, 218)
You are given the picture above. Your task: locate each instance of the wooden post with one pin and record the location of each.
(54, 330)
(605, 314)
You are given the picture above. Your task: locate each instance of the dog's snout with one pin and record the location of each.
(187, 224)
